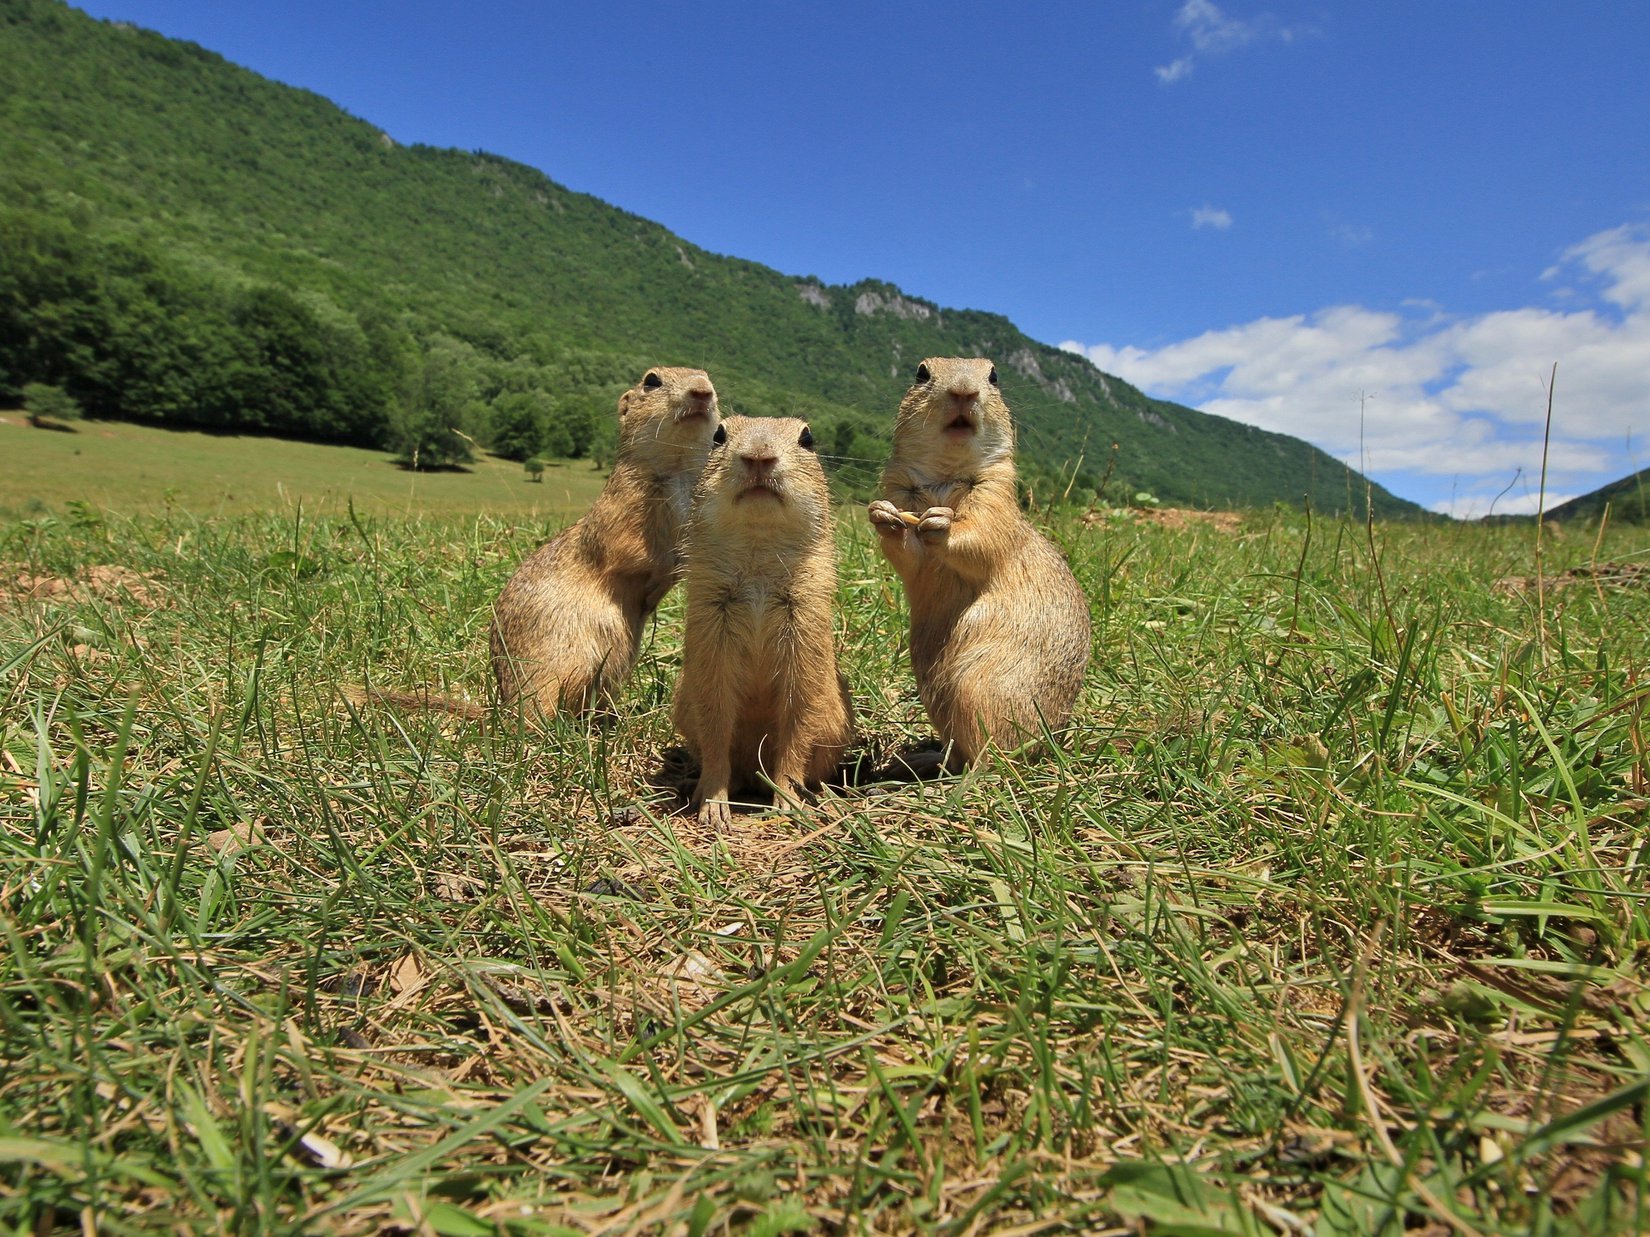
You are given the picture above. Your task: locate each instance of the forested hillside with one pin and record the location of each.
(185, 242)
(1628, 500)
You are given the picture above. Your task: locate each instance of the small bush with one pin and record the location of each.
(44, 402)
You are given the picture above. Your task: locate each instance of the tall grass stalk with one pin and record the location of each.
(1541, 514)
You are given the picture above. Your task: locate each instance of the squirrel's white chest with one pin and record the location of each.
(679, 494)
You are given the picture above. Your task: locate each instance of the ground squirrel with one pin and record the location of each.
(999, 626)
(568, 624)
(760, 690)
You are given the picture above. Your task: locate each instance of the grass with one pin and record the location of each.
(1328, 911)
(137, 468)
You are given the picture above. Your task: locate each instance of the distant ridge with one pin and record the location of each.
(183, 241)
(1628, 500)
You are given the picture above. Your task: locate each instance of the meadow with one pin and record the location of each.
(140, 468)
(1327, 914)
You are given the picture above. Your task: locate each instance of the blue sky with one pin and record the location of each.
(1278, 212)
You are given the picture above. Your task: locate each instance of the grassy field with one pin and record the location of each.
(138, 468)
(1327, 915)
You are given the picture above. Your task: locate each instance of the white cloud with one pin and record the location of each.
(1211, 217)
(1210, 30)
(1621, 258)
(1174, 70)
(1522, 496)
(1441, 395)
(1212, 33)
(1352, 235)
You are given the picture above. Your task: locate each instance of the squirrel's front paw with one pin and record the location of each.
(934, 526)
(886, 518)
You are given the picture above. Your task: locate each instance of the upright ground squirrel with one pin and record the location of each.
(760, 691)
(999, 627)
(568, 624)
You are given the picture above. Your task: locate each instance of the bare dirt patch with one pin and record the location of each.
(101, 582)
(1599, 575)
(1174, 517)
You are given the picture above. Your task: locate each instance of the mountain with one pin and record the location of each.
(183, 241)
(1628, 500)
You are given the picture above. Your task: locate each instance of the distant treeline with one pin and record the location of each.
(136, 329)
(134, 334)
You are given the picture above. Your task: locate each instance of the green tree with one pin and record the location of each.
(591, 424)
(842, 438)
(520, 422)
(298, 374)
(535, 468)
(423, 426)
(44, 402)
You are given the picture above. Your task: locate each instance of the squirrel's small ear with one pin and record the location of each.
(624, 404)
(922, 373)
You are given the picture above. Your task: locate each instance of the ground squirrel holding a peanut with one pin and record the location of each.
(760, 692)
(568, 624)
(999, 626)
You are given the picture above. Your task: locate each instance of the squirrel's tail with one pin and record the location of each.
(422, 700)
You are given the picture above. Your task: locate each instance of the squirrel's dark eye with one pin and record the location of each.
(653, 380)
(992, 376)
(922, 373)
(807, 439)
(720, 436)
